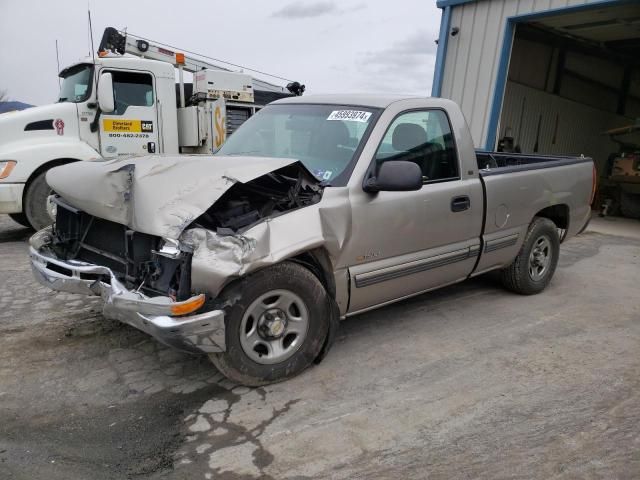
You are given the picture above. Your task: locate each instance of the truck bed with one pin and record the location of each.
(558, 185)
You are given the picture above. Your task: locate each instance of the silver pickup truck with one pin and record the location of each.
(316, 209)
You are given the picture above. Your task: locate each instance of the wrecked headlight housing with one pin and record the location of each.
(171, 248)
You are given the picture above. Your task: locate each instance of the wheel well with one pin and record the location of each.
(46, 166)
(558, 214)
(319, 263)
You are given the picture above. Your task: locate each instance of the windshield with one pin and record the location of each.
(76, 84)
(324, 138)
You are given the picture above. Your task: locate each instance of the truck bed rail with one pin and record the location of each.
(496, 163)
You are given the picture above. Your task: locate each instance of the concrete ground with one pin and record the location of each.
(466, 382)
(617, 226)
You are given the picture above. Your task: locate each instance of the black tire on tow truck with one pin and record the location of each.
(20, 218)
(35, 202)
(276, 320)
(532, 269)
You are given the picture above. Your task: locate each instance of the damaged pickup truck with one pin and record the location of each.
(316, 209)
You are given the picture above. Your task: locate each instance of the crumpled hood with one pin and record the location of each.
(158, 195)
(12, 124)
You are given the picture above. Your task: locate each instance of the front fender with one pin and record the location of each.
(32, 154)
(219, 259)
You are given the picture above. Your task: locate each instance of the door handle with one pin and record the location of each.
(460, 204)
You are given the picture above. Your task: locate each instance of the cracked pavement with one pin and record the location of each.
(466, 382)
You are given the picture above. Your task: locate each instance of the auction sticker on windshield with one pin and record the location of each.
(350, 115)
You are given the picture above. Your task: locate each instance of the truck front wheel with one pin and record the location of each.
(276, 322)
(532, 269)
(35, 202)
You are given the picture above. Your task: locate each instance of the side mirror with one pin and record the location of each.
(396, 176)
(106, 101)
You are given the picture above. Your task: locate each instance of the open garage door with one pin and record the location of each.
(573, 77)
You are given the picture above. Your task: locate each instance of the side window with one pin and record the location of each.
(425, 138)
(132, 90)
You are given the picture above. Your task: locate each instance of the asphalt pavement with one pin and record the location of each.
(467, 382)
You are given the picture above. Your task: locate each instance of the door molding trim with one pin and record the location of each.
(417, 266)
(502, 242)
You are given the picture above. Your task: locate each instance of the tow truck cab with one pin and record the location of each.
(125, 102)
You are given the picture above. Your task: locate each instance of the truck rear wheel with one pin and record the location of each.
(35, 202)
(276, 323)
(532, 269)
(630, 205)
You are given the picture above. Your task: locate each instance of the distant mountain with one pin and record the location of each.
(11, 106)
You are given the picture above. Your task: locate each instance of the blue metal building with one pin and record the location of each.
(551, 75)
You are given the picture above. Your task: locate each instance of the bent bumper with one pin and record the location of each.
(200, 333)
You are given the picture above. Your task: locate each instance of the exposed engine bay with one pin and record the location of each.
(246, 204)
(140, 261)
(155, 265)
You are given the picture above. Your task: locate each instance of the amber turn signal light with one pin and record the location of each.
(6, 168)
(189, 306)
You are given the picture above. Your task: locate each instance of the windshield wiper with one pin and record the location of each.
(63, 99)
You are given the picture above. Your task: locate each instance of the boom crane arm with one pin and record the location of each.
(116, 41)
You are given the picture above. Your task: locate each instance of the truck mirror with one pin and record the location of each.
(106, 99)
(396, 176)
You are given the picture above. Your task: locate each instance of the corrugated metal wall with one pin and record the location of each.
(566, 127)
(473, 55)
(573, 113)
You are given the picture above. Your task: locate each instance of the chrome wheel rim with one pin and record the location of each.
(540, 258)
(274, 327)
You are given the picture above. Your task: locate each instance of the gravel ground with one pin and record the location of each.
(466, 382)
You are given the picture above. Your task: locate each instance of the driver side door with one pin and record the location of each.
(409, 242)
(132, 129)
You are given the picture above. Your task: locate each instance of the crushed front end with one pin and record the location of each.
(144, 280)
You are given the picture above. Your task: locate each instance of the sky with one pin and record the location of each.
(332, 46)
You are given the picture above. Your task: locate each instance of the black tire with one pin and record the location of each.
(35, 202)
(518, 277)
(20, 218)
(630, 205)
(239, 296)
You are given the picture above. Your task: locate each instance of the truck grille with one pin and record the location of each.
(129, 254)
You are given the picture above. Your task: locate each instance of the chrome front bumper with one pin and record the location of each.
(200, 333)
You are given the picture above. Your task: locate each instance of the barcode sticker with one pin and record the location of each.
(350, 115)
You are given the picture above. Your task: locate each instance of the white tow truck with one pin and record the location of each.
(125, 102)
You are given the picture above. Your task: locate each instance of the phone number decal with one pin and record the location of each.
(129, 135)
